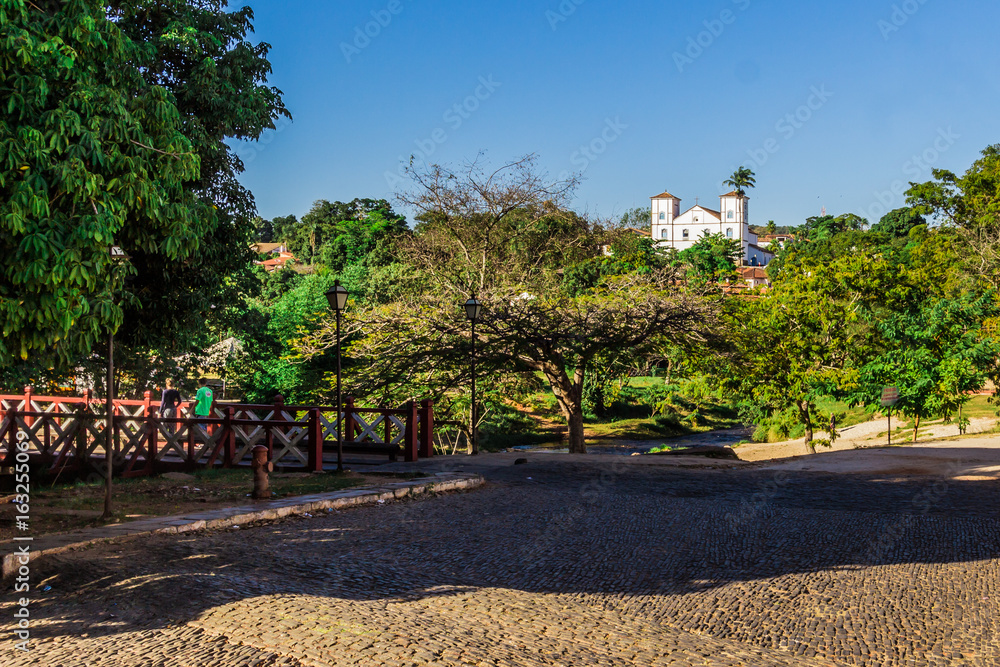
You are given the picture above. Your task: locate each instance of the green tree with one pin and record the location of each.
(422, 344)
(368, 241)
(281, 227)
(199, 52)
(712, 258)
(117, 135)
(635, 218)
(801, 340)
(90, 155)
(825, 227)
(327, 221)
(970, 204)
(899, 222)
(270, 332)
(935, 355)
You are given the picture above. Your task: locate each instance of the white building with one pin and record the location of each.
(673, 229)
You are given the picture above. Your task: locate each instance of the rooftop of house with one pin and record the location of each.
(753, 273)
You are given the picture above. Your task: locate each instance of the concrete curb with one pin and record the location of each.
(233, 516)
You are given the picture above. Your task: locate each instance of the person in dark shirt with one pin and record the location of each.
(169, 402)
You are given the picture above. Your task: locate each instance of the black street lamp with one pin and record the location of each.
(473, 310)
(337, 296)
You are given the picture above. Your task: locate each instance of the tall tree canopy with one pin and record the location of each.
(112, 132)
(970, 204)
(899, 222)
(199, 52)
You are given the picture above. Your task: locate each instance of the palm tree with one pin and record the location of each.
(742, 179)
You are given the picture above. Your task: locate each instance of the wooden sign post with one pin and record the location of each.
(890, 397)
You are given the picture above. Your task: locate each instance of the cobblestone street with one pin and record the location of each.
(555, 563)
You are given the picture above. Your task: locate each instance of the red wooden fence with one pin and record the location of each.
(67, 433)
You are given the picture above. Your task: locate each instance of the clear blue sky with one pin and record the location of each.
(887, 81)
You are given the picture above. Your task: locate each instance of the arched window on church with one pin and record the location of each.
(664, 234)
(684, 235)
(729, 232)
(730, 215)
(663, 216)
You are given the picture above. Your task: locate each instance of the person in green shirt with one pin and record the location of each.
(203, 399)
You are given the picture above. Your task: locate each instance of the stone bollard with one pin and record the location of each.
(261, 468)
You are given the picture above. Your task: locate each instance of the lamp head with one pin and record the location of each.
(473, 309)
(337, 296)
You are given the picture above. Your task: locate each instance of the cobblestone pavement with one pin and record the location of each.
(555, 563)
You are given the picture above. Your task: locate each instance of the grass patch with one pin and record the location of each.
(690, 417)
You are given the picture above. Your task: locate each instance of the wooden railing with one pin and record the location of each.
(68, 433)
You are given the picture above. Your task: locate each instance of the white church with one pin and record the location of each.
(673, 229)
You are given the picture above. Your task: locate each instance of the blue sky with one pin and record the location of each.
(832, 104)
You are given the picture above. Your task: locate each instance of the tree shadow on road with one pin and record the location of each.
(544, 528)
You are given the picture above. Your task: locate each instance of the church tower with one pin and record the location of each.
(734, 209)
(666, 208)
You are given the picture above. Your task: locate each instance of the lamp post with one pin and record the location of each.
(117, 255)
(109, 429)
(473, 310)
(337, 297)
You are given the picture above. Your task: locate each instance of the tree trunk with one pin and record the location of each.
(577, 445)
(916, 426)
(569, 394)
(806, 419)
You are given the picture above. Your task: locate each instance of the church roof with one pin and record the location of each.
(665, 195)
(734, 193)
(704, 208)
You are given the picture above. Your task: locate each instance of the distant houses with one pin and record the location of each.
(754, 276)
(777, 240)
(278, 256)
